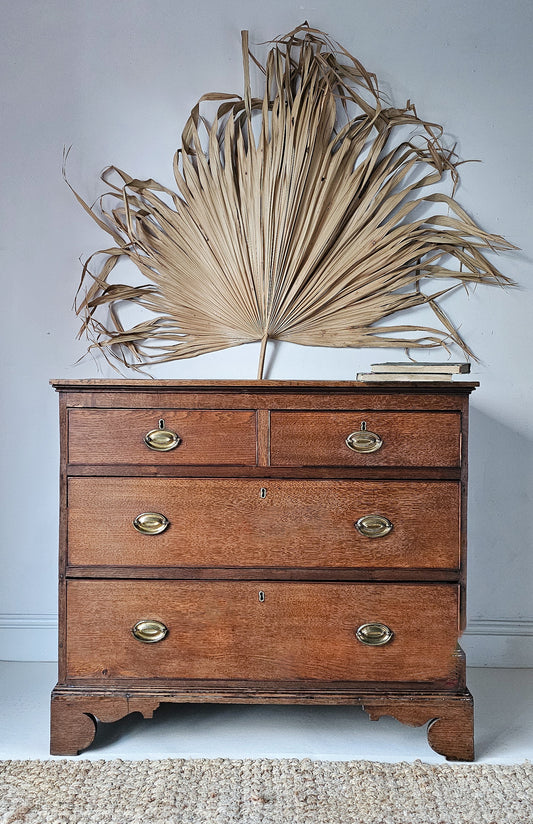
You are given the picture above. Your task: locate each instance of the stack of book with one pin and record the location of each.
(413, 371)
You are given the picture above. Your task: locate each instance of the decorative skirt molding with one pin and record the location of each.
(262, 791)
(496, 642)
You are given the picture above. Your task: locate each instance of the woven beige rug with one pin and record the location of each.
(222, 791)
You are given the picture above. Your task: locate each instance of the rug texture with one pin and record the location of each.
(223, 791)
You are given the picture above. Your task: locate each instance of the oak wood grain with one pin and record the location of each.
(73, 722)
(217, 523)
(282, 397)
(449, 717)
(263, 437)
(71, 728)
(415, 473)
(451, 721)
(117, 436)
(409, 438)
(297, 646)
(232, 385)
(385, 574)
(223, 630)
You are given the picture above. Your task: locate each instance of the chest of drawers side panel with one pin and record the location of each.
(63, 537)
(464, 515)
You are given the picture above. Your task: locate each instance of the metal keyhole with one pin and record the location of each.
(261, 595)
(263, 492)
(161, 423)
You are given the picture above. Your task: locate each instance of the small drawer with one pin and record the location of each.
(187, 522)
(164, 436)
(375, 438)
(261, 631)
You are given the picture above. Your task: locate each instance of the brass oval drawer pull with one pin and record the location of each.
(150, 523)
(149, 632)
(364, 441)
(374, 634)
(373, 526)
(161, 439)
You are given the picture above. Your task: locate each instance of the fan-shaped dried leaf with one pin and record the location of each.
(297, 218)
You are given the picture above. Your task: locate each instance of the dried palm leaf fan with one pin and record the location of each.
(296, 220)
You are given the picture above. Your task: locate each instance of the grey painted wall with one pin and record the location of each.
(116, 80)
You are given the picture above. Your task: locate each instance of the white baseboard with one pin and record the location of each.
(28, 638)
(498, 642)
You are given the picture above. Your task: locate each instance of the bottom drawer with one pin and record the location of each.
(270, 631)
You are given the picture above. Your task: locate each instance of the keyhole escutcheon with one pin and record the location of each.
(261, 596)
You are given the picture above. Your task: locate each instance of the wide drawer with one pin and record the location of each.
(270, 523)
(261, 631)
(206, 436)
(407, 438)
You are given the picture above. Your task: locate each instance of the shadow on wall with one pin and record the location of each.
(500, 520)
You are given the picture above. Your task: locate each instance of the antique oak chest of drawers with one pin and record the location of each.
(262, 541)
